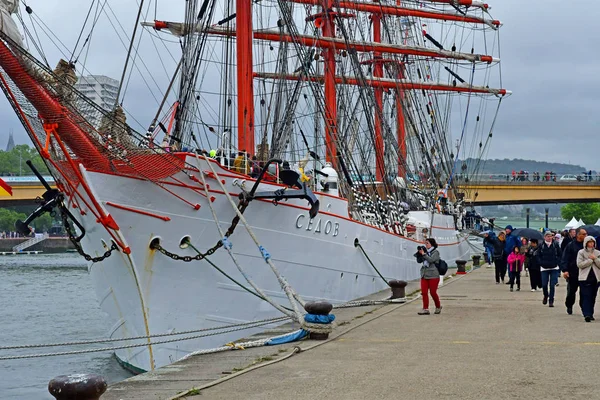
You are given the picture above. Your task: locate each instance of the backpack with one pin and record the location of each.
(442, 267)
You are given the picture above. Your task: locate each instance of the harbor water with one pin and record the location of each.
(46, 299)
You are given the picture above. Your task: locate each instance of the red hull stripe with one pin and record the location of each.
(135, 210)
(6, 187)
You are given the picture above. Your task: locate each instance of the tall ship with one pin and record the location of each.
(298, 146)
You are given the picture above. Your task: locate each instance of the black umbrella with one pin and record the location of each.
(529, 233)
(592, 230)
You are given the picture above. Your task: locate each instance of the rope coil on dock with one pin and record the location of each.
(239, 345)
(318, 323)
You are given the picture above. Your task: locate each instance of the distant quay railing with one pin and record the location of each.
(49, 245)
(487, 179)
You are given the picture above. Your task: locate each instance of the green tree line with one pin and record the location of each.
(13, 162)
(9, 217)
(588, 212)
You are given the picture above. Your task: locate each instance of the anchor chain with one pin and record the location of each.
(76, 243)
(243, 204)
(197, 257)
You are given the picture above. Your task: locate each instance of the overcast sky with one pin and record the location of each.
(550, 61)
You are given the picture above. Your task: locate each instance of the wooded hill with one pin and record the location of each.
(506, 166)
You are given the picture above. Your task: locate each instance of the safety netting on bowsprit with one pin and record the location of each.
(68, 128)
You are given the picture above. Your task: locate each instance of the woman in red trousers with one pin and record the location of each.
(430, 276)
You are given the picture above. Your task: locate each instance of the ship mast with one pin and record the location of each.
(330, 92)
(400, 122)
(245, 78)
(398, 78)
(378, 94)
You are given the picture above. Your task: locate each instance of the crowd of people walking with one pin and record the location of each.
(575, 254)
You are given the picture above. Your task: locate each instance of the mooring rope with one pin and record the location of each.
(284, 284)
(357, 244)
(238, 345)
(158, 335)
(228, 246)
(130, 346)
(364, 303)
(215, 266)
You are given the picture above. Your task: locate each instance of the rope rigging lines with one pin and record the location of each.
(290, 115)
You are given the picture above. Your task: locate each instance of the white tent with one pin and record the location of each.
(597, 222)
(573, 223)
(580, 222)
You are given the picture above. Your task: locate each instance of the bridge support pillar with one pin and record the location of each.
(547, 210)
(527, 217)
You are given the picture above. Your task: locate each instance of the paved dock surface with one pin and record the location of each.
(488, 343)
(166, 382)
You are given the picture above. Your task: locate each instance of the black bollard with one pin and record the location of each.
(476, 258)
(398, 289)
(318, 308)
(460, 267)
(77, 387)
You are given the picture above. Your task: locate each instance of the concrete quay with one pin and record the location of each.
(167, 382)
(488, 343)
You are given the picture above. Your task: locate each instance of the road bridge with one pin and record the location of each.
(485, 193)
(481, 193)
(25, 190)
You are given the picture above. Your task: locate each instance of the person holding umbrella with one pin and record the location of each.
(511, 242)
(533, 265)
(488, 244)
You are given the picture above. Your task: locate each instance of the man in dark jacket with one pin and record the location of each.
(512, 241)
(568, 265)
(568, 239)
(498, 257)
(549, 259)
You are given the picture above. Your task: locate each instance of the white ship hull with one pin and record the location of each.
(146, 292)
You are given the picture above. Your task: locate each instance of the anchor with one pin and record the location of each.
(296, 189)
(50, 199)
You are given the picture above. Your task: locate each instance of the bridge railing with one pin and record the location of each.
(562, 179)
(25, 179)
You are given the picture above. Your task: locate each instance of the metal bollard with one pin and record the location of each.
(398, 289)
(318, 308)
(460, 267)
(77, 387)
(476, 258)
